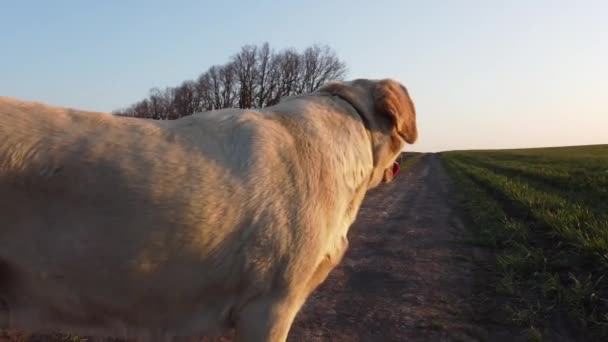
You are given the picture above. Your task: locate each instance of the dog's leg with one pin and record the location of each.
(327, 265)
(268, 319)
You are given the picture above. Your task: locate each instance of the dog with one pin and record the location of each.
(219, 221)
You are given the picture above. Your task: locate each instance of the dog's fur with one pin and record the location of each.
(152, 229)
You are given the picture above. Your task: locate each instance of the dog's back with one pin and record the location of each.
(126, 210)
(122, 226)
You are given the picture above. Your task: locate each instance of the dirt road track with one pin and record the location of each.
(405, 276)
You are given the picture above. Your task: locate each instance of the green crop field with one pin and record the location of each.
(543, 213)
(409, 160)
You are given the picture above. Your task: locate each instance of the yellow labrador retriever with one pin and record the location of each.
(230, 218)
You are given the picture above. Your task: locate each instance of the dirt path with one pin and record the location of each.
(405, 277)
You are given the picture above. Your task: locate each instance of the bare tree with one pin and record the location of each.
(320, 65)
(204, 88)
(185, 101)
(286, 75)
(141, 109)
(264, 81)
(228, 85)
(216, 86)
(156, 104)
(246, 68)
(255, 77)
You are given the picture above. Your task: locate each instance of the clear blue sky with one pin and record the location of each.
(483, 74)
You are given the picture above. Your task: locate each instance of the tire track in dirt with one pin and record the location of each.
(405, 276)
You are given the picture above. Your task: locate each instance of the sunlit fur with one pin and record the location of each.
(149, 229)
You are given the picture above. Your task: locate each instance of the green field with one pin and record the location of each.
(543, 214)
(409, 159)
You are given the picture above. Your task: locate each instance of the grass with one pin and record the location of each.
(409, 159)
(544, 215)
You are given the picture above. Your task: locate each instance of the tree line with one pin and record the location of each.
(255, 77)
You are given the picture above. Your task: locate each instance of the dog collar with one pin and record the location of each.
(364, 120)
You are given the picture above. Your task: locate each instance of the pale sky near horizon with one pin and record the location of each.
(483, 74)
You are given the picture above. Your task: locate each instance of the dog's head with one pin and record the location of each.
(389, 115)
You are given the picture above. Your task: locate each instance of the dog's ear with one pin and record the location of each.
(392, 99)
